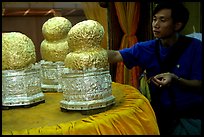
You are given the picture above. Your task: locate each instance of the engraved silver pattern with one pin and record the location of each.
(86, 89)
(50, 75)
(21, 87)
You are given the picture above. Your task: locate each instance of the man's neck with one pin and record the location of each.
(168, 42)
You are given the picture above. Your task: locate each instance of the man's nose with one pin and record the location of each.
(155, 24)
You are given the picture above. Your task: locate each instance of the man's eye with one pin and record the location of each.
(162, 20)
(154, 19)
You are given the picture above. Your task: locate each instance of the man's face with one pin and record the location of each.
(162, 24)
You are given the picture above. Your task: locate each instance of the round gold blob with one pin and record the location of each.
(56, 28)
(54, 51)
(84, 35)
(18, 51)
(96, 58)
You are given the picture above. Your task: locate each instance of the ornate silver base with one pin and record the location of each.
(87, 105)
(50, 75)
(86, 90)
(23, 100)
(21, 87)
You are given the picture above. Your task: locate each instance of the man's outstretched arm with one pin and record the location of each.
(114, 56)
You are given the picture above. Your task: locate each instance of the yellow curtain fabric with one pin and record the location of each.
(128, 16)
(93, 11)
(131, 115)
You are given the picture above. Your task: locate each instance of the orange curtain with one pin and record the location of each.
(93, 11)
(128, 16)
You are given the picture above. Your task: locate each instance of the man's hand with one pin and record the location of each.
(164, 79)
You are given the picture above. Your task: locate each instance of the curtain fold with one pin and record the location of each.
(128, 16)
(93, 11)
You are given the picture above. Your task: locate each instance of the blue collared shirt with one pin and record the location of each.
(188, 66)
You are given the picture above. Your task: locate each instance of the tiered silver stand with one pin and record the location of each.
(86, 90)
(50, 75)
(21, 87)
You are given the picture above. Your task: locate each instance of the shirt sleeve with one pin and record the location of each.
(140, 54)
(130, 56)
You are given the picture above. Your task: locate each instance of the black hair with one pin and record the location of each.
(179, 12)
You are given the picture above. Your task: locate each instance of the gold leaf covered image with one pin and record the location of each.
(18, 51)
(54, 51)
(89, 59)
(56, 28)
(86, 79)
(84, 40)
(84, 35)
(55, 45)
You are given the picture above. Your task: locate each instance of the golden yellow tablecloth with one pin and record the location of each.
(131, 115)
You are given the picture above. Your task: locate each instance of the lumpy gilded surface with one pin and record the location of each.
(54, 51)
(56, 28)
(84, 35)
(84, 40)
(18, 51)
(89, 59)
(55, 45)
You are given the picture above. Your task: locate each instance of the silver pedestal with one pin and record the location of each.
(50, 75)
(21, 87)
(86, 90)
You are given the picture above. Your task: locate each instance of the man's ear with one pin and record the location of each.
(178, 25)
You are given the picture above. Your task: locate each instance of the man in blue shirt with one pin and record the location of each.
(173, 65)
